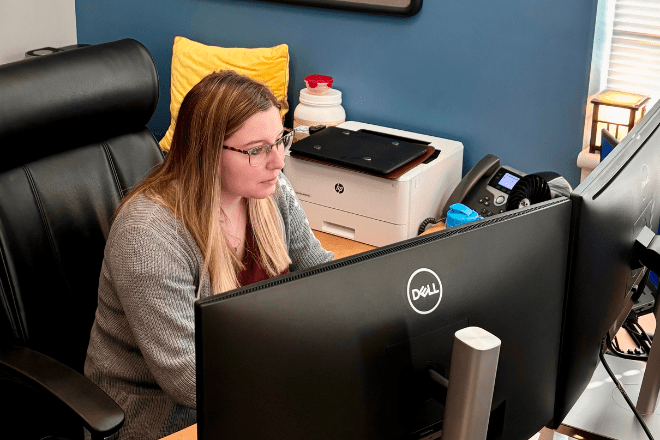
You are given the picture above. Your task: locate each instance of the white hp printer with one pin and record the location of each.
(370, 208)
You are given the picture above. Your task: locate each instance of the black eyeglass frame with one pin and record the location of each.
(286, 140)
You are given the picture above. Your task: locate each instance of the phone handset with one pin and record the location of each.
(486, 167)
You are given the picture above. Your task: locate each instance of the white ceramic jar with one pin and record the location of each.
(323, 109)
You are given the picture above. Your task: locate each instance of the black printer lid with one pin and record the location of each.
(357, 149)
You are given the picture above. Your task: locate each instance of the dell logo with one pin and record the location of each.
(339, 188)
(424, 291)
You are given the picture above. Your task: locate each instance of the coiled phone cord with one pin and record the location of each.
(425, 223)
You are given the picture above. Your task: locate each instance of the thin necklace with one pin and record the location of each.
(230, 226)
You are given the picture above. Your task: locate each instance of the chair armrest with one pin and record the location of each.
(97, 411)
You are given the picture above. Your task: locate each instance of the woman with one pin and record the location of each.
(215, 215)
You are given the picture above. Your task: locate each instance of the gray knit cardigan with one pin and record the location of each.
(142, 344)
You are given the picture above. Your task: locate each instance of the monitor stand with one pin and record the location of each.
(603, 411)
(471, 383)
(647, 403)
(647, 249)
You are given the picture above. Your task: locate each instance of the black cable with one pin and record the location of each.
(425, 223)
(622, 391)
(637, 332)
(615, 349)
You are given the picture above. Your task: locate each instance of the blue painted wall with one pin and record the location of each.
(505, 77)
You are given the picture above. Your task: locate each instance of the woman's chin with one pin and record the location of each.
(263, 193)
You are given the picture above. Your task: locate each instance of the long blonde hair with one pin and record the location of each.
(189, 182)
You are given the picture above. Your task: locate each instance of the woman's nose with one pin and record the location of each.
(276, 158)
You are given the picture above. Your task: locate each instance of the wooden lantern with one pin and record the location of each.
(617, 112)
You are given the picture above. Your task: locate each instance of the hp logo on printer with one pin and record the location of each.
(424, 291)
(339, 188)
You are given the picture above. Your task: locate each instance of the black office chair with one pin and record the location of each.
(72, 142)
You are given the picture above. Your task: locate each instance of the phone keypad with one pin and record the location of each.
(484, 201)
(486, 210)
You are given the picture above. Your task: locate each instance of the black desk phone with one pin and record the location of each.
(485, 188)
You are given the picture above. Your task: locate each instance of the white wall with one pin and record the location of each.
(31, 24)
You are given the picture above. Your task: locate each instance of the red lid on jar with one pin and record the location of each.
(314, 80)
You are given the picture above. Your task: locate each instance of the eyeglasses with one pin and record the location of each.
(259, 155)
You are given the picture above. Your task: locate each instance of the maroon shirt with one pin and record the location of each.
(253, 272)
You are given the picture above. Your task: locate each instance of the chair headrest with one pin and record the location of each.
(74, 97)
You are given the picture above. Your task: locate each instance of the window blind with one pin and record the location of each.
(634, 62)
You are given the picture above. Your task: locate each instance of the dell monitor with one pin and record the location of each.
(609, 210)
(342, 350)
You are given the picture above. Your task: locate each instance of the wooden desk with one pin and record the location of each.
(563, 433)
(190, 433)
(343, 247)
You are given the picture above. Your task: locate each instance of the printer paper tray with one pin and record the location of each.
(352, 226)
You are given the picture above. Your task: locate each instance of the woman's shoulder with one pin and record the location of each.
(284, 191)
(142, 210)
(287, 202)
(142, 216)
(142, 220)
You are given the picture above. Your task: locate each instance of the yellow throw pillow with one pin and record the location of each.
(192, 61)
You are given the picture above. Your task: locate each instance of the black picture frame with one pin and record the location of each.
(380, 7)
